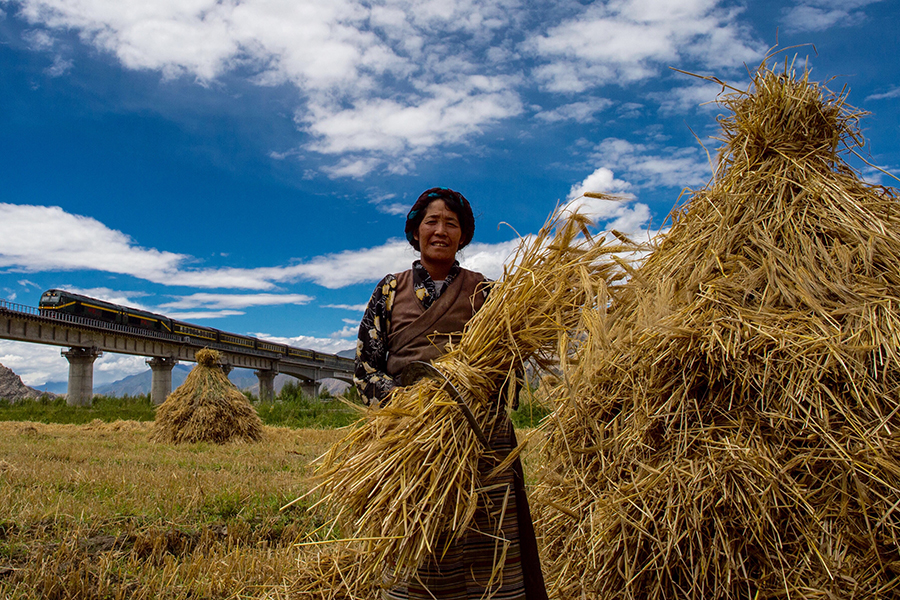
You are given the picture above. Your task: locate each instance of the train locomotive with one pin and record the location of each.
(55, 303)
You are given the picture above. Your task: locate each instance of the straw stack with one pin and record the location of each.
(732, 428)
(405, 480)
(207, 407)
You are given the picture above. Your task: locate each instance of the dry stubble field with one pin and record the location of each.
(100, 511)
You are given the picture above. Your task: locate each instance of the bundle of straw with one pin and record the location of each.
(207, 407)
(405, 480)
(731, 429)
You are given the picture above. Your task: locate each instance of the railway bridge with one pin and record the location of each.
(86, 339)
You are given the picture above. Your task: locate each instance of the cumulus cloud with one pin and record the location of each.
(40, 238)
(233, 301)
(626, 41)
(600, 181)
(891, 93)
(203, 315)
(46, 238)
(819, 15)
(651, 164)
(689, 97)
(381, 80)
(353, 307)
(378, 85)
(330, 345)
(38, 364)
(618, 211)
(580, 112)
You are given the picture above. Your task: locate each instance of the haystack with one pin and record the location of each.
(732, 428)
(207, 407)
(406, 479)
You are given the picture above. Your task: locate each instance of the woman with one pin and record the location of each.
(411, 317)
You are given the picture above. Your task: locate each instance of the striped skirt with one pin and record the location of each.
(485, 562)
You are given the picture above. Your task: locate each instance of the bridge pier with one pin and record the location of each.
(161, 385)
(80, 390)
(226, 368)
(309, 387)
(266, 384)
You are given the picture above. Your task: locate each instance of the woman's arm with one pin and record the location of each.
(371, 375)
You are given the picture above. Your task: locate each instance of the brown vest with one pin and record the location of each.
(419, 334)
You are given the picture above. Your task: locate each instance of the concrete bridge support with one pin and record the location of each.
(81, 375)
(266, 384)
(309, 387)
(161, 385)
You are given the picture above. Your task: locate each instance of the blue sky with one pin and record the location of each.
(247, 164)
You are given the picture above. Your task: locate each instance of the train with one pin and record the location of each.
(60, 302)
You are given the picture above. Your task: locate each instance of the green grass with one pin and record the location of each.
(291, 408)
(55, 410)
(294, 409)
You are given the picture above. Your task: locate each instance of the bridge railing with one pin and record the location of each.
(20, 308)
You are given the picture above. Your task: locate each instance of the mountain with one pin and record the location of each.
(12, 388)
(243, 379)
(136, 385)
(54, 387)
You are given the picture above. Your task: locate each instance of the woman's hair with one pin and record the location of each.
(454, 201)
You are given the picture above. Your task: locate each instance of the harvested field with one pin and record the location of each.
(101, 511)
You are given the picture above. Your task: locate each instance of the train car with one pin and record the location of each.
(248, 343)
(197, 332)
(271, 347)
(300, 353)
(62, 302)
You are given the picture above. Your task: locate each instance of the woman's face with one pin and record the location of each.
(439, 233)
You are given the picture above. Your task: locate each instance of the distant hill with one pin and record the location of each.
(12, 388)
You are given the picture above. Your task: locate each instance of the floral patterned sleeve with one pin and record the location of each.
(370, 375)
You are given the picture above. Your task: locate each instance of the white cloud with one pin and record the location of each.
(689, 97)
(353, 307)
(233, 301)
(39, 238)
(620, 212)
(488, 259)
(654, 165)
(382, 80)
(59, 67)
(628, 40)
(580, 112)
(46, 238)
(202, 315)
(112, 367)
(446, 115)
(38, 364)
(819, 15)
(379, 85)
(894, 92)
(347, 333)
(38, 39)
(600, 181)
(330, 345)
